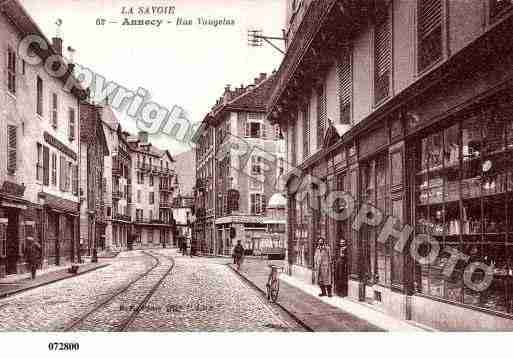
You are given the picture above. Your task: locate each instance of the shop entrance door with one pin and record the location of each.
(12, 242)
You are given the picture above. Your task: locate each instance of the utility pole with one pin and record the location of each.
(256, 39)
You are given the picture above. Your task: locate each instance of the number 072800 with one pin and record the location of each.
(57, 346)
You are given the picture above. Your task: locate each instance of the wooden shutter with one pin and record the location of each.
(71, 124)
(46, 166)
(12, 145)
(306, 130)
(75, 180)
(54, 107)
(293, 140)
(62, 177)
(382, 58)
(321, 115)
(264, 204)
(429, 32)
(39, 99)
(253, 204)
(345, 86)
(54, 169)
(263, 129)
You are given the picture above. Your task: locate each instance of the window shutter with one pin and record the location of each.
(345, 86)
(75, 180)
(247, 131)
(264, 204)
(46, 166)
(253, 204)
(71, 124)
(429, 32)
(62, 182)
(321, 115)
(12, 144)
(306, 130)
(382, 59)
(54, 110)
(54, 169)
(264, 130)
(293, 141)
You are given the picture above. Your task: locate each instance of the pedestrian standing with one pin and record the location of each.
(33, 255)
(322, 267)
(238, 254)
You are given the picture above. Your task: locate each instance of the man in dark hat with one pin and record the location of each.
(33, 255)
(322, 267)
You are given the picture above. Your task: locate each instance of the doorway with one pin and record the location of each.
(12, 242)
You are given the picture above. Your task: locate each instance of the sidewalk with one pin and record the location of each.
(11, 285)
(322, 314)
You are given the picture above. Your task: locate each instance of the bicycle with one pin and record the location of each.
(273, 283)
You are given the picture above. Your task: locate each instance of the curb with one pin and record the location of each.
(302, 323)
(20, 290)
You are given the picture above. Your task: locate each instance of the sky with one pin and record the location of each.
(187, 66)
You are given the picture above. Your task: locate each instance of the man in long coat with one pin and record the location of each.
(33, 254)
(322, 268)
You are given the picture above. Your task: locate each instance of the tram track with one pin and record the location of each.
(124, 323)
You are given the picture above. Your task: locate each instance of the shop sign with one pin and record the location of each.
(13, 189)
(52, 141)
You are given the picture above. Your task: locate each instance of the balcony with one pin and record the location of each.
(122, 217)
(166, 188)
(117, 194)
(116, 171)
(166, 204)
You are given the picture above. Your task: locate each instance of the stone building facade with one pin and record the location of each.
(93, 150)
(39, 159)
(234, 187)
(405, 106)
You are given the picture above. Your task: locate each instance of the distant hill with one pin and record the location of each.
(186, 169)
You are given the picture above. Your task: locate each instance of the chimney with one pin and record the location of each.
(71, 64)
(143, 136)
(57, 45)
(57, 39)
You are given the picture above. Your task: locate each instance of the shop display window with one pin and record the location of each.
(464, 199)
(375, 191)
(301, 233)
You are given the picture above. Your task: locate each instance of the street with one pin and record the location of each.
(154, 290)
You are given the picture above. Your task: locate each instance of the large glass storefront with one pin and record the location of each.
(375, 191)
(302, 241)
(463, 183)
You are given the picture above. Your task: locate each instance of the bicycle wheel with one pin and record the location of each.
(274, 289)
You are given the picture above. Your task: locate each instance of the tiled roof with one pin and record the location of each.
(254, 99)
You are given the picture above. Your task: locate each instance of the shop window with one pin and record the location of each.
(429, 33)
(3, 237)
(377, 265)
(463, 200)
(302, 240)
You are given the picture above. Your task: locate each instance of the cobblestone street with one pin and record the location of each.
(146, 291)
